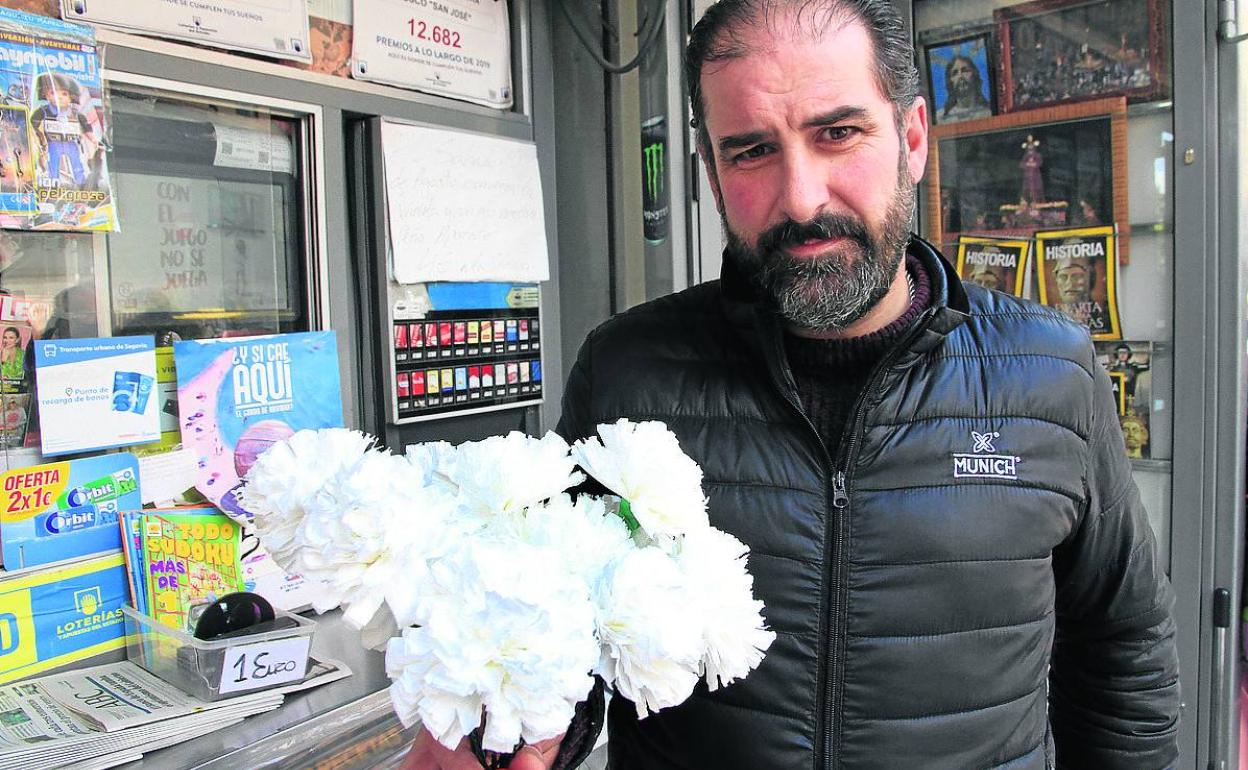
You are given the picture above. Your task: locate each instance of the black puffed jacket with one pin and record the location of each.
(968, 582)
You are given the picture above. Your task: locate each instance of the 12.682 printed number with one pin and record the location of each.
(440, 35)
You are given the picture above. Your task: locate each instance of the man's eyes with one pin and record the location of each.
(757, 151)
(829, 133)
(840, 133)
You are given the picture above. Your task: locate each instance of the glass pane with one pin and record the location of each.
(1053, 116)
(211, 241)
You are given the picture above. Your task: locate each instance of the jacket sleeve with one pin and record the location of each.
(575, 419)
(1114, 687)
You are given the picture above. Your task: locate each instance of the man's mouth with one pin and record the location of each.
(813, 247)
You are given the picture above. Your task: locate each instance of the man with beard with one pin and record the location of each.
(943, 526)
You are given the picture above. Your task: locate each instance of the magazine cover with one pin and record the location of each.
(995, 263)
(191, 557)
(62, 510)
(53, 127)
(1077, 274)
(236, 397)
(1129, 365)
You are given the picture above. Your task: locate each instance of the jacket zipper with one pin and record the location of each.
(840, 502)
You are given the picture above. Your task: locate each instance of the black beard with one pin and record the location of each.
(832, 291)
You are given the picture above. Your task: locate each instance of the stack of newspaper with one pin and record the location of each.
(108, 715)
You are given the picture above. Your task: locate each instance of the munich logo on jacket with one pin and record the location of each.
(982, 462)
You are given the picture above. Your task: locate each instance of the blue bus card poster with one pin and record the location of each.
(96, 393)
(67, 509)
(53, 127)
(236, 397)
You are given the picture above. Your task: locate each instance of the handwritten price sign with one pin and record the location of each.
(455, 48)
(265, 664)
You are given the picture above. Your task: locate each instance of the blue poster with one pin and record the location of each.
(96, 393)
(236, 397)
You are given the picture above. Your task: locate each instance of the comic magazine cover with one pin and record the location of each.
(1129, 365)
(1076, 273)
(236, 397)
(53, 127)
(995, 263)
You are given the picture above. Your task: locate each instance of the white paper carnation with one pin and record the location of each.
(505, 629)
(735, 636)
(285, 477)
(508, 473)
(651, 634)
(643, 463)
(582, 535)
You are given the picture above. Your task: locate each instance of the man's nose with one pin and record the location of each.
(805, 190)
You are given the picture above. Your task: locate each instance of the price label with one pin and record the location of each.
(265, 664)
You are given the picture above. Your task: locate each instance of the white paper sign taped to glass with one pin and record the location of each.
(463, 206)
(53, 127)
(455, 48)
(271, 27)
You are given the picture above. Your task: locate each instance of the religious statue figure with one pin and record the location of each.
(1031, 162)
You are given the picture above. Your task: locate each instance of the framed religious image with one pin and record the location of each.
(1060, 51)
(995, 263)
(1011, 175)
(1129, 365)
(1076, 273)
(960, 78)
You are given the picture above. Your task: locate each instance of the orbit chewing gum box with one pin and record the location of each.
(67, 509)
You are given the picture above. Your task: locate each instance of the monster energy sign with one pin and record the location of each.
(654, 193)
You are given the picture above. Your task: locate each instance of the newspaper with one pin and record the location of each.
(119, 707)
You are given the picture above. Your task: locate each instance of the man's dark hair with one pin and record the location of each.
(717, 37)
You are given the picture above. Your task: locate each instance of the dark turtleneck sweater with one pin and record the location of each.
(831, 374)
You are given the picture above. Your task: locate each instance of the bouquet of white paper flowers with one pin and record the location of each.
(497, 593)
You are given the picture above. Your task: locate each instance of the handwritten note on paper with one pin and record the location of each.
(463, 206)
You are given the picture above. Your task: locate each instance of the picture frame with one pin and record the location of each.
(1077, 274)
(1064, 51)
(961, 78)
(1002, 264)
(982, 181)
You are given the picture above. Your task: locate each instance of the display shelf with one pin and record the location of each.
(351, 718)
(1152, 466)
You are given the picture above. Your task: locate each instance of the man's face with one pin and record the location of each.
(812, 177)
(1072, 282)
(1134, 434)
(986, 278)
(962, 76)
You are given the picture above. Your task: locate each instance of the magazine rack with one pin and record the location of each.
(222, 668)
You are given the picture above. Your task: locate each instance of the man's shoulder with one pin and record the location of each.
(1003, 324)
(681, 313)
